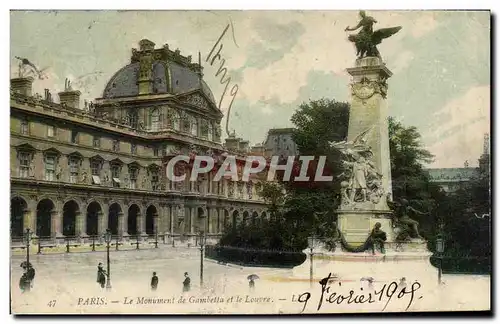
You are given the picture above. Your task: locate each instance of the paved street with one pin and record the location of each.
(70, 281)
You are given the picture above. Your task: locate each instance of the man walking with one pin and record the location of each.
(186, 283)
(154, 281)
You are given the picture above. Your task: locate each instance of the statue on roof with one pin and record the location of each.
(366, 40)
(27, 68)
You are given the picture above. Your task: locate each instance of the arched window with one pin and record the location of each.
(194, 127)
(133, 118)
(210, 132)
(155, 120)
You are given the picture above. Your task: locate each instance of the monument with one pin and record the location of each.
(375, 236)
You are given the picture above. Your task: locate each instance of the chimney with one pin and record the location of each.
(244, 145)
(22, 85)
(69, 96)
(145, 80)
(232, 143)
(258, 149)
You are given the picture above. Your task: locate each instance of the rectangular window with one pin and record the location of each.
(24, 165)
(133, 178)
(74, 137)
(96, 167)
(50, 162)
(24, 127)
(51, 131)
(155, 151)
(96, 142)
(133, 149)
(74, 166)
(115, 174)
(116, 145)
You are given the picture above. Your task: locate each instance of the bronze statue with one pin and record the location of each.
(377, 237)
(404, 219)
(366, 40)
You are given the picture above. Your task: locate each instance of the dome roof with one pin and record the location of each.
(165, 75)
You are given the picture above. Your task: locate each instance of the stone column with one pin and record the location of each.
(56, 223)
(205, 222)
(167, 220)
(370, 112)
(102, 222)
(81, 224)
(141, 224)
(121, 224)
(27, 220)
(156, 228)
(219, 220)
(191, 219)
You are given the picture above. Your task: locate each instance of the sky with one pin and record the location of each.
(279, 59)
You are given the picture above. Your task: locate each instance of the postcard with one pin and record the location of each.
(250, 162)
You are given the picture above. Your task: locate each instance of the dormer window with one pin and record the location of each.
(24, 164)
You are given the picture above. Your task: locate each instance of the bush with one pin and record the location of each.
(466, 265)
(252, 257)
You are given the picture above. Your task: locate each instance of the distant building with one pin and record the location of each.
(280, 142)
(450, 179)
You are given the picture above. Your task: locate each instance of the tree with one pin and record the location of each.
(410, 180)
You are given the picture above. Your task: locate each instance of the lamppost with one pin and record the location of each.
(107, 239)
(202, 245)
(310, 242)
(27, 239)
(440, 250)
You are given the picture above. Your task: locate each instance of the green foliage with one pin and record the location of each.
(466, 231)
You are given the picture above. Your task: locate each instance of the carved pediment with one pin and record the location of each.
(198, 99)
(26, 147)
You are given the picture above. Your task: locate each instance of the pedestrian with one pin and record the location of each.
(251, 284)
(186, 283)
(24, 283)
(154, 281)
(101, 275)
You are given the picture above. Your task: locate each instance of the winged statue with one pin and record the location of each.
(355, 147)
(366, 40)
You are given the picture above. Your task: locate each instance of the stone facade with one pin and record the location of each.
(279, 142)
(77, 172)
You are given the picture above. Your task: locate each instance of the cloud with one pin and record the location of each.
(456, 133)
(274, 41)
(425, 23)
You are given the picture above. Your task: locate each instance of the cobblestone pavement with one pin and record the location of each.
(70, 281)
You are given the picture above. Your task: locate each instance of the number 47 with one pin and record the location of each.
(52, 303)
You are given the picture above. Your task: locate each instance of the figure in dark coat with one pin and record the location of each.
(24, 283)
(186, 284)
(251, 284)
(154, 281)
(101, 275)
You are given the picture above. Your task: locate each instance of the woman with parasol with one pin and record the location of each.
(251, 281)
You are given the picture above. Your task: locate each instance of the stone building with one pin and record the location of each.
(76, 171)
(279, 142)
